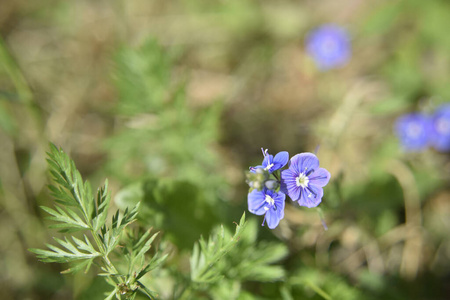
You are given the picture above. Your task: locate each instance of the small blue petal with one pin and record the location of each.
(279, 197)
(288, 184)
(280, 203)
(319, 177)
(256, 201)
(273, 210)
(272, 218)
(280, 160)
(311, 196)
(304, 162)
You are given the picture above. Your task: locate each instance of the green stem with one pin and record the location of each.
(322, 218)
(318, 290)
(14, 73)
(112, 269)
(186, 293)
(275, 174)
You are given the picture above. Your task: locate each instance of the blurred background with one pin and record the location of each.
(172, 101)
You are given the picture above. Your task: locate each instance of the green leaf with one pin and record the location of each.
(60, 255)
(218, 245)
(72, 222)
(101, 210)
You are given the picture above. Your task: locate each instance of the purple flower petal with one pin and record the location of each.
(280, 160)
(272, 218)
(311, 196)
(280, 203)
(267, 202)
(278, 197)
(256, 201)
(319, 177)
(288, 184)
(304, 162)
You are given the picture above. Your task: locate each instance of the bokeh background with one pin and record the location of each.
(172, 101)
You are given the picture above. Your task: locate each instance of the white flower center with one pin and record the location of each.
(268, 167)
(270, 201)
(302, 180)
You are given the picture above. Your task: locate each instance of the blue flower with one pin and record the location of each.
(267, 202)
(329, 45)
(304, 180)
(414, 131)
(270, 163)
(440, 129)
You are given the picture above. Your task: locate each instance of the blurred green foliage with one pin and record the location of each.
(160, 135)
(172, 101)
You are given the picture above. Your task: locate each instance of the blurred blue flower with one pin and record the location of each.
(329, 45)
(414, 131)
(271, 163)
(304, 180)
(440, 128)
(267, 202)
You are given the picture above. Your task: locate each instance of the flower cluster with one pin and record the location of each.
(329, 46)
(302, 181)
(417, 131)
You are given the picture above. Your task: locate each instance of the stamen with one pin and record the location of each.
(269, 200)
(264, 152)
(302, 180)
(268, 167)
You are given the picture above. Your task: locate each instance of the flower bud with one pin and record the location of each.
(271, 184)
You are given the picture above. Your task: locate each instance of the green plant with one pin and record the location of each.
(78, 210)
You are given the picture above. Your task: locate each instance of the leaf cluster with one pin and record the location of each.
(206, 254)
(77, 209)
(253, 260)
(221, 264)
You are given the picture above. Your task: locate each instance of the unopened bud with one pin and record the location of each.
(257, 185)
(271, 184)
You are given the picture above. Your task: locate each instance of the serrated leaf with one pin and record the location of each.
(203, 260)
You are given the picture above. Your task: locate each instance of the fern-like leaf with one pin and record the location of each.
(205, 256)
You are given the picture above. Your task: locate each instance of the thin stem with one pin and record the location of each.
(275, 174)
(12, 69)
(318, 290)
(186, 293)
(322, 218)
